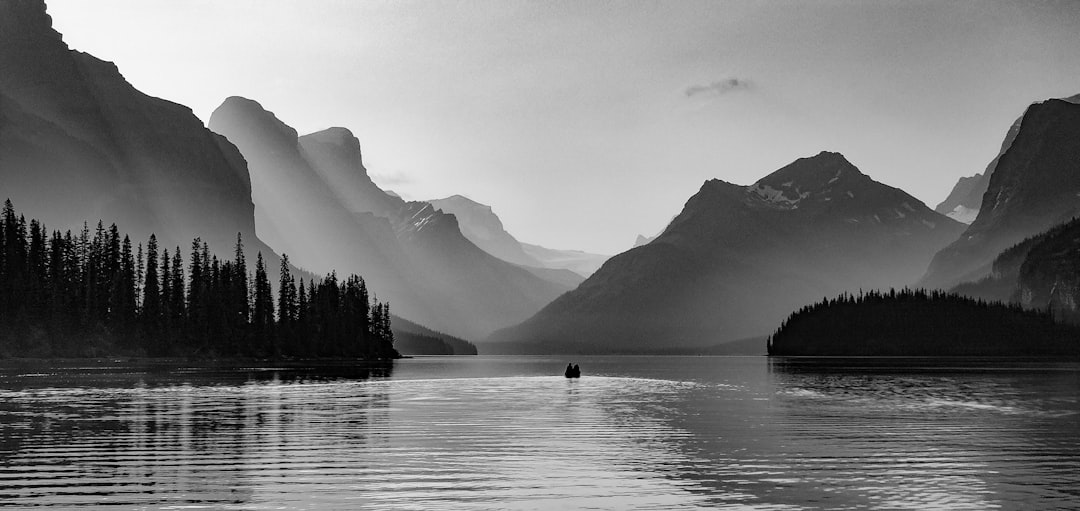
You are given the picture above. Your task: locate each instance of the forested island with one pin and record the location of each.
(95, 294)
(921, 323)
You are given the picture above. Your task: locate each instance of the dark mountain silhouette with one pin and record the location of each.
(1034, 185)
(313, 197)
(738, 259)
(964, 201)
(79, 143)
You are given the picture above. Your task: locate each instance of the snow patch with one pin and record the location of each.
(929, 224)
(777, 196)
(849, 194)
(963, 214)
(836, 177)
(900, 214)
(908, 207)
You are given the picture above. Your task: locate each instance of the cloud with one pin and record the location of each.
(719, 87)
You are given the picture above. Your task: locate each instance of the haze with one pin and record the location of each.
(586, 123)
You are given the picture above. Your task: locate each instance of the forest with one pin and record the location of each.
(94, 294)
(921, 323)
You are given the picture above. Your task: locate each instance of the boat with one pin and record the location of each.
(573, 371)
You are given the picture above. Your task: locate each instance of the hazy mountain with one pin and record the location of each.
(738, 259)
(413, 339)
(1034, 185)
(963, 201)
(484, 228)
(313, 198)
(642, 240)
(577, 261)
(79, 143)
(1041, 272)
(966, 197)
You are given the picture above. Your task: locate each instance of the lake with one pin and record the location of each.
(513, 433)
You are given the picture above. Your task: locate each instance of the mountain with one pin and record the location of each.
(1049, 277)
(314, 199)
(577, 261)
(481, 226)
(1041, 272)
(1034, 186)
(963, 201)
(79, 143)
(966, 197)
(738, 259)
(642, 240)
(413, 339)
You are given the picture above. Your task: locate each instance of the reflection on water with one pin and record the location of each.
(512, 433)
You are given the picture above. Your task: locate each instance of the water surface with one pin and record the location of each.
(512, 433)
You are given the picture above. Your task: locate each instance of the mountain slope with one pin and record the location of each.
(966, 197)
(577, 261)
(1034, 186)
(481, 226)
(313, 197)
(79, 143)
(738, 259)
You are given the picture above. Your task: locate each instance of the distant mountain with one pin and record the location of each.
(314, 199)
(738, 259)
(577, 261)
(1034, 185)
(642, 240)
(79, 143)
(484, 228)
(964, 201)
(413, 339)
(481, 226)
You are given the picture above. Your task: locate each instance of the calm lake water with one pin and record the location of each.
(512, 433)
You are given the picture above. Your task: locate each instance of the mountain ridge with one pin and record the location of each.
(738, 259)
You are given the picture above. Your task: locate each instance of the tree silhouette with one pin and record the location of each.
(90, 295)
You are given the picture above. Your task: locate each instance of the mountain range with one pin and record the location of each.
(315, 201)
(78, 143)
(484, 228)
(738, 259)
(966, 197)
(1033, 185)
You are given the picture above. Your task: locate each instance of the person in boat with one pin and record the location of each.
(569, 370)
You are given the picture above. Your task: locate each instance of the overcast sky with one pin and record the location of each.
(585, 123)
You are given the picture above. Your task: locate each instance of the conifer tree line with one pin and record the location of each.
(95, 294)
(917, 322)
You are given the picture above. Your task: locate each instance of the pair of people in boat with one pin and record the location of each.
(573, 371)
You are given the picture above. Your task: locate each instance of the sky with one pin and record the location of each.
(586, 123)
